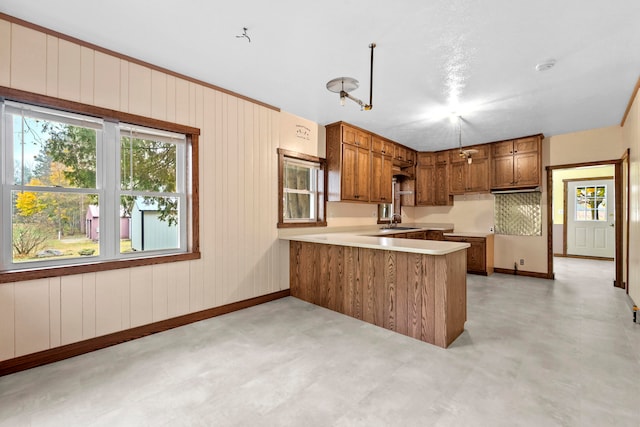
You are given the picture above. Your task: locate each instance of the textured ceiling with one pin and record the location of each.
(432, 57)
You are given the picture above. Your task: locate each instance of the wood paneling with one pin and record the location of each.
(141, 296)
(54, 312)
(140, 90)
(28, 59)
(106, 91)
(69, 71)
(18, 364)
(422, 296)
(52, 66)
(87, 76)
(5, 54)
(7, 321)
(31, 316)
(71, 309)
(237, 191)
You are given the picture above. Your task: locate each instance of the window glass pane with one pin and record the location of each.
(297, 177)
(50, 224)
(152, 222)
(49, 153)
(147, 164)
(298, 206)
(591, 203)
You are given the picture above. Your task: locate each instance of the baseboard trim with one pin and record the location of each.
(56, 354)
(535, 274)
(596, 258)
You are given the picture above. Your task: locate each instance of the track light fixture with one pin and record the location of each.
(344, 85)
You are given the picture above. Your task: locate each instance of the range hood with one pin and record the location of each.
(517, 190)
(396, 171)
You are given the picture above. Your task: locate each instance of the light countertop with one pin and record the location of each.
(363, 238)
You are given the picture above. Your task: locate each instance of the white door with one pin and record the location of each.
(591, 218)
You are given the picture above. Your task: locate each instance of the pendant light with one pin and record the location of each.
(465, 154)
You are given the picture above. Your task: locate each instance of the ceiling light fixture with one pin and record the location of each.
(464, 154)
(546, 65)
(344, 85)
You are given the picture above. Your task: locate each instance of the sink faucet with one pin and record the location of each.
(394, 221)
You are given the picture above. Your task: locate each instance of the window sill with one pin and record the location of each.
(42, 273)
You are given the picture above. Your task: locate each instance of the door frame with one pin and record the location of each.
(619, 186)
(565, 217)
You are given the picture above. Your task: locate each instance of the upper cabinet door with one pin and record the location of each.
(517, 163)
(356, 137)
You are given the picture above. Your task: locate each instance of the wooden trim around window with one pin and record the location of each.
(321, 201)
(192, 135)
(57, 354)
(83, 43)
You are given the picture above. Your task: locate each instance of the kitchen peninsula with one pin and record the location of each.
(413, 287)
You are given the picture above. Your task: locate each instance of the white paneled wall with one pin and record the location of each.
(631, 137)
(241, 256)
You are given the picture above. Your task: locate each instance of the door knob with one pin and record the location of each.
(611, 225)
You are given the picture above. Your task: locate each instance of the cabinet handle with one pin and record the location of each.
(515, 151)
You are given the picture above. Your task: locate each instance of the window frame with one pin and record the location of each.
(192, 247)
(320, 194)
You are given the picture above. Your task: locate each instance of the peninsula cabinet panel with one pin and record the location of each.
(422, 296)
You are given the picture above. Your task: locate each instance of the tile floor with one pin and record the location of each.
(534, 353)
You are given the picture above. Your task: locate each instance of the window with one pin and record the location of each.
(301, 201)
(591, 203)
(518, 214)
(77, 190)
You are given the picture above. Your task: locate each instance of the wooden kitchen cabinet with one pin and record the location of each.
(442, 197)
(425, 185)
(353, 136)
(356, 173)
(432, 184)
(436, 234)
(465, 177)
(517, 163)
(417, 235)
(479, 254)
(381, 178)
(348, 163)
(400, 153)
(382, 146)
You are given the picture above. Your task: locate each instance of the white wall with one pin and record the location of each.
(631, 139)
(241, 254)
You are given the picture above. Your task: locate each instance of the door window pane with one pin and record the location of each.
(591, 203)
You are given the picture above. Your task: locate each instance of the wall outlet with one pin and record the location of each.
(490, 229)
(521, 261)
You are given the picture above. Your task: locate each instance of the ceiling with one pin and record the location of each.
(432, 58)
